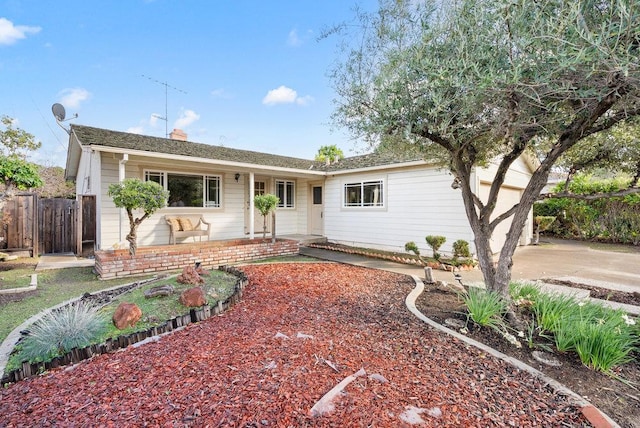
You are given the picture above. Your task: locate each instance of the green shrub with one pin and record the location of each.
(606, 219)
(485, 308)
(59, 331)
(523, 290)
(435, 242)
(461, 249)
(549, 309)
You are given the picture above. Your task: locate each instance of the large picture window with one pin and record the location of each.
(285, 190)
(364, 194)
(189, 190)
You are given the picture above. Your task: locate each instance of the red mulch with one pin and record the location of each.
(233, 371)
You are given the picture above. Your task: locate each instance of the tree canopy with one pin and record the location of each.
(15, 171)
(16, 141)
(329, 154)
(134, 194)
(478, 81)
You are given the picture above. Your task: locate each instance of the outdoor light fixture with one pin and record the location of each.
(237, 176)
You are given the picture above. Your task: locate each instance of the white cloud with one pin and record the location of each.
(136, 129)
(284, 95)
(293, 39)
(72, 97)
(9, 33)
(186, 118)
(221, 93)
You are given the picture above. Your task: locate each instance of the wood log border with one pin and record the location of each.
(77, 355)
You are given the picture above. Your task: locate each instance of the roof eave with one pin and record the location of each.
(173, 157)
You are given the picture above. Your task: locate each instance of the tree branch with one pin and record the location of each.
(592, 196)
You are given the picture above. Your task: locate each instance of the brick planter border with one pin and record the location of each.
(119, 263)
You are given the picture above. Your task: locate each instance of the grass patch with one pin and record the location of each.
(54, 287)
(218, 286)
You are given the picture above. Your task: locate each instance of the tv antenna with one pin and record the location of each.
(166, 102)
(59, 113)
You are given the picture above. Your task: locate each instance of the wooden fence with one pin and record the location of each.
(48, 226)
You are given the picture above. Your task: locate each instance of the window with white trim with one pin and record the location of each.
(189, 190)
(364, 194)
(286, 190)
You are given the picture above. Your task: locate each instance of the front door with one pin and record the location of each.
(317, 214)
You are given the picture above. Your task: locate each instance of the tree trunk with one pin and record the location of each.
(264, 227)
(273, 227)
(132, 237)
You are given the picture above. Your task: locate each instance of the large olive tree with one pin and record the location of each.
(134, 194)
(469, 82)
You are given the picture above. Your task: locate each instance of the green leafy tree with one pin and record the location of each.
(266, 204)
(134, 194)
(478, 81)
(16, 173)
(15, 141)
(329, 154)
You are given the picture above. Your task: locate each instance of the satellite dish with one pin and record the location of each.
(58, 112)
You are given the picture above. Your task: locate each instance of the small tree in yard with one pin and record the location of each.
(435, 242)
(471, 82)
(266, 204)
(134, 194)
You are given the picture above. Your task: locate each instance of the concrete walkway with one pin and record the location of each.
(608, 266)
(61, 261)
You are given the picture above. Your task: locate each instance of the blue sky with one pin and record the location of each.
(244, 74)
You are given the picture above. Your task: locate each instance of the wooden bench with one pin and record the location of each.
(186, 225)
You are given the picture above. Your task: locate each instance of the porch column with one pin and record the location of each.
(252, 208)
(121, 176)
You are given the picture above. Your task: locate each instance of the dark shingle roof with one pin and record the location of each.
(370, 160)
(103, 137)
(88, 135)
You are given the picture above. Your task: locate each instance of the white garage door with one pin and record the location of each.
(507, 198)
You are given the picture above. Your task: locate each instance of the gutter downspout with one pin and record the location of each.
(121, 177)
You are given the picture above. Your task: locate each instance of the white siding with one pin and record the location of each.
(419, 202)
(227, 222)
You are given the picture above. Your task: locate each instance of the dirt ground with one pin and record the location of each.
(617, 399)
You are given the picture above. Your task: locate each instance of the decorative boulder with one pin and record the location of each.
(162, 290)
(190, 275)
(126, 315)
(193, 297)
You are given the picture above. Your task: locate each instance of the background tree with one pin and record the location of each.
(54, 184)
(15, 141)
(478, 81)
(134, 194)
(329, 154)
(15, 172)
(266, 204)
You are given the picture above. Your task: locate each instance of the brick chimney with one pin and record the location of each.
(178, 134)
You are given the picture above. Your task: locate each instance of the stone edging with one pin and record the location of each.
(76, 355)
(596, 417)
(33, 286)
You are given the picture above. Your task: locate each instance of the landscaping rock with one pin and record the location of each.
(126, 315)
(190, 275)
(161, 290)
(193, 297)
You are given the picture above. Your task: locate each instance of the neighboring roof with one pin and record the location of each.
(371, 160)
(90, 136)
